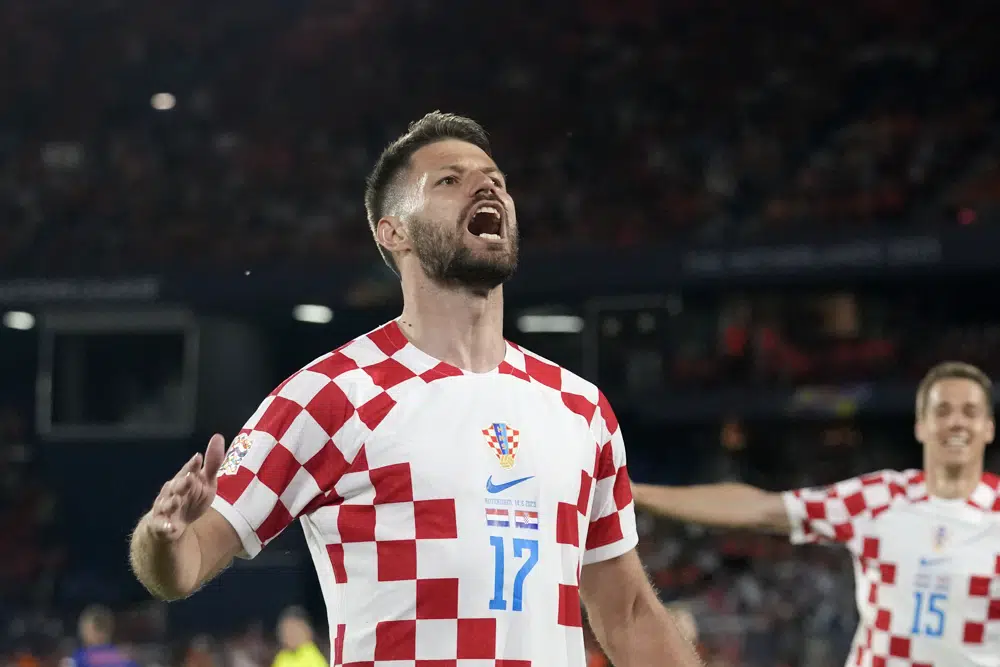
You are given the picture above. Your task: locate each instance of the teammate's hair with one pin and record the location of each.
(101, 618)
(953, 370)
(380, 188)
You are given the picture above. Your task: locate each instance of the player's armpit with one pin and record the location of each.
(628, 619)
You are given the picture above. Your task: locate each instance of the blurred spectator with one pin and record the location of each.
(298, 647)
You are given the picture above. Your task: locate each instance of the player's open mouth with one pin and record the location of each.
(486, 221)
(957, 441)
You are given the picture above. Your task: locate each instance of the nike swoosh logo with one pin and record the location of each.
(497, 488)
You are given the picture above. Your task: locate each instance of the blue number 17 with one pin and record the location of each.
(520, 546)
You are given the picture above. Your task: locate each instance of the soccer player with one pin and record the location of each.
(459, 494)
(925, 543)
(96, 629)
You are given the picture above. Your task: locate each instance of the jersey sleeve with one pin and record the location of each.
(287, 458)
(612, 530)
(835, 513)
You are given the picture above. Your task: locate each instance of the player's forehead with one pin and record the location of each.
(955, 391)
(450, 154)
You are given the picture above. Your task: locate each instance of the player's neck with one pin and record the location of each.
(459, 327)
(952, 482)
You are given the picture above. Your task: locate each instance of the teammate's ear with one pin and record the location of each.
(990, 431)
(390, 232)
(918, 430)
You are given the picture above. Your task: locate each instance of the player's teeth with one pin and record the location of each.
(488, 209)
(494, 237)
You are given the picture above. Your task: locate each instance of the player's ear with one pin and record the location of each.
(390, 232)
(990, 431)
(918, 429)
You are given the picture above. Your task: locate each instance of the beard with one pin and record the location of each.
(446, 260)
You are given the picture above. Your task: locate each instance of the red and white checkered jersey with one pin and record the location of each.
(448, 513)
(927, 570)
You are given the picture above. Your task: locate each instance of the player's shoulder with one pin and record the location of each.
(883, 489)
(909, 483)
(576, 393)
(986, 495)
(899, 479)
(367, 352)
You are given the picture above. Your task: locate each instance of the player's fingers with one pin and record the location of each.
(214, 455)
(184, 485)
(164, 506)
(163, 527)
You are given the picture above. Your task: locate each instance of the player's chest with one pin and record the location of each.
(915, 550)
(464, 444)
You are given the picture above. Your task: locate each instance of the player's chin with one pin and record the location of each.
(958, 455)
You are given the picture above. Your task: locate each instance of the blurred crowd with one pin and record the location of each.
(143, 136)
(789, 339)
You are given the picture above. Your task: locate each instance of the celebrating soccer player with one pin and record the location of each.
(926, 543)
(459, 494)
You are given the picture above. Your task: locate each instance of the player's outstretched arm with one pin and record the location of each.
(182, 543)
(729, 505)
(628, 619)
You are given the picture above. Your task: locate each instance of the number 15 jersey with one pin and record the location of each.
(927, 570)
(448, 513)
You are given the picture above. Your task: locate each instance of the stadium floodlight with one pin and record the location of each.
(20, 320)
(312, 313)
(550, 323)
(163, 101)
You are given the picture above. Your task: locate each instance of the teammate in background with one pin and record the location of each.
(926, 543)
(298, 648)
(97, 629)
(459, 494)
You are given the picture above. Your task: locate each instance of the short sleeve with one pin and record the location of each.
(612, 530)
(285, 461)
(835, 513)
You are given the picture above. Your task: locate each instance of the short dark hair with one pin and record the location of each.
(433, 127)
(101, 618)
(953, 370)
(294, 612)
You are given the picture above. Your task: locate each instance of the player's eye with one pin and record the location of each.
(497, 182)
(448, 180)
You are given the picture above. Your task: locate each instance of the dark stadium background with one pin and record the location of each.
(754, 224)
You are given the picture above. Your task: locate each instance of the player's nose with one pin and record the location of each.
(482, 185)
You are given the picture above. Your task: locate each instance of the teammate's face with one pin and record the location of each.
(956, 425)
(460, 219)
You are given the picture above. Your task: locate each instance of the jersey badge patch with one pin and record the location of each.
(237, 450)
(503, 440)
(940, 538)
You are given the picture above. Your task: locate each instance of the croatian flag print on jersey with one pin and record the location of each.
(927, 570)
(379, 450)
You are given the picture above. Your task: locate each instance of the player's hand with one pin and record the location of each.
(189, 494)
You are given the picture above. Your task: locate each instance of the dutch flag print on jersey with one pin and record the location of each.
(499, 518)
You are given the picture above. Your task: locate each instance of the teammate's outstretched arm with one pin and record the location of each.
(182, 543)
(730, 505)
(628, 619)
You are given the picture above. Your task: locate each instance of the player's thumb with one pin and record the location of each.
(214, 454)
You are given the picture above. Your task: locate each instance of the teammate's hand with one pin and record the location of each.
(189, 494)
